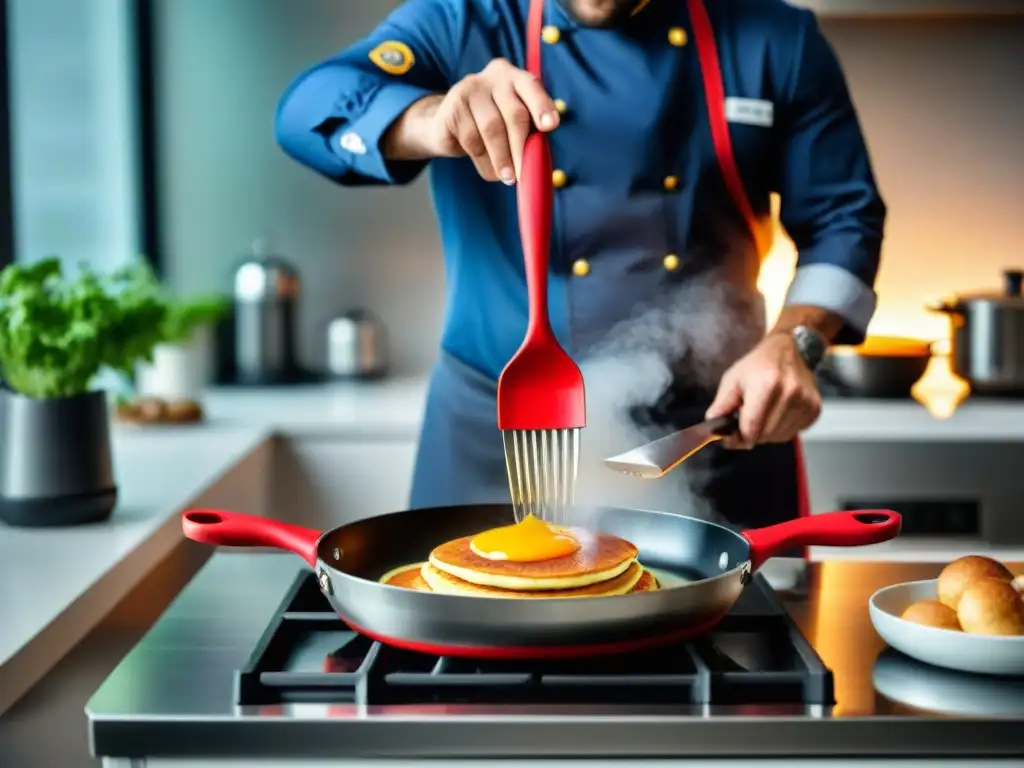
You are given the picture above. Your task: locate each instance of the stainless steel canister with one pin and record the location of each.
(356, 346)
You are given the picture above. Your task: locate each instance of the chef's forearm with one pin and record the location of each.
(408, 137)
(827, 323)
(834, 287)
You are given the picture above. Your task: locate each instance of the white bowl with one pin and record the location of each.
(984, 654)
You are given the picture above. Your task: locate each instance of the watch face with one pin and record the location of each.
(811, 345)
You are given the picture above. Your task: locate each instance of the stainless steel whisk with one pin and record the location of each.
(542, 467)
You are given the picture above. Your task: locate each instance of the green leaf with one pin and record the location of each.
(57, 332)
(185, 316)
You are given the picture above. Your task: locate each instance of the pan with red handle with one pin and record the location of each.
(708, 567)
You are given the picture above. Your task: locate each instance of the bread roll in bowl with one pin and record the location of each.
(961, 573)
(932, 613)
(991, 606)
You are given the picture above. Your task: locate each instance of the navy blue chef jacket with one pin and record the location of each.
(640, 205)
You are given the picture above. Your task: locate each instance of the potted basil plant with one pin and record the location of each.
(57, 332)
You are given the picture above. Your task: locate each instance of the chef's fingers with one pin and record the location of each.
(759, 400)
(490, 122)
(518, 122)
(728, 399)
(462, 124)
(531, 92)
(798, 408)
(781, 411)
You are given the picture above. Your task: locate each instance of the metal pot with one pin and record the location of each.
(988, 337)
(55, 465)
(883, 367)
(266, 307)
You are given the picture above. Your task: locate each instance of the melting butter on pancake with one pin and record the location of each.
(600, 557)
(445, 583)
(527, 541)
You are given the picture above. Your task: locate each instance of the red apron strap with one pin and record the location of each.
(714, 93)
(534, 25)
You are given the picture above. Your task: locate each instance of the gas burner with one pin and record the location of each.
(757, 655)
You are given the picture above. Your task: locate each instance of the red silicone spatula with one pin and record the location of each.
(541, 401)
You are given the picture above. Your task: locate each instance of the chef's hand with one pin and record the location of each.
(774, 390)
(486, 116)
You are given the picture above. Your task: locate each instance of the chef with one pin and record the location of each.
(670, 122)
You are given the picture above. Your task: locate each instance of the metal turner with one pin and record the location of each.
(657, 459)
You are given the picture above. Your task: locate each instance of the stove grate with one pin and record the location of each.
(757, 655)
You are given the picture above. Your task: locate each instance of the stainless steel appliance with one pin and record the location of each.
(964, 490)
(266, 294)
(356, 346)
(251, 664)
(988, 337)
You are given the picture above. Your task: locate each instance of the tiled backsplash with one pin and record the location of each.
(938, 100)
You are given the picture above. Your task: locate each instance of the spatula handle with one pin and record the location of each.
(536, 200)
(725, 426)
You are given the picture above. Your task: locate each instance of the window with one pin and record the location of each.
(73, 116)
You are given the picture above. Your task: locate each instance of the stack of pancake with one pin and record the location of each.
(601, 566)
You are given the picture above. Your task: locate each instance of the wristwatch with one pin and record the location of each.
(810, 344)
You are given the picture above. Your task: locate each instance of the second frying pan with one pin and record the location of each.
(708, 566)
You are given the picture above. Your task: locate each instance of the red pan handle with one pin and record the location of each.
(855, 528)
(232, 529)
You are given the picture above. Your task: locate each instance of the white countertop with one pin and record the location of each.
(395, 407)
(56, 584)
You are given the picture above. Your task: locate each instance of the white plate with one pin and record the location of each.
(985, 654)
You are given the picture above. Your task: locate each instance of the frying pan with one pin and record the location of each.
(708, 566)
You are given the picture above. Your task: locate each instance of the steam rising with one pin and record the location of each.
(694, 334)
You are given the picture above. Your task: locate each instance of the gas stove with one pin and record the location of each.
(757, 656)
(248, 667)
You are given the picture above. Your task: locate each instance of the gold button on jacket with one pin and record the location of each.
(671, 262)
(677, 36)
(581, 267)
(559, 178)
(550, 35)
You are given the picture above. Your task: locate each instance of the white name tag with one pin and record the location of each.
(750, 112)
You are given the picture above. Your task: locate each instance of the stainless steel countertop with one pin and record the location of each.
(173, 695)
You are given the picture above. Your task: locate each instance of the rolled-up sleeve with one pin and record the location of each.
(333, 116)
(831, 206)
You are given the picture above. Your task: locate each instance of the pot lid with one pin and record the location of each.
(1012, 294)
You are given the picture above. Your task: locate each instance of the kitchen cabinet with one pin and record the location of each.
(912, 8)
(326, 481)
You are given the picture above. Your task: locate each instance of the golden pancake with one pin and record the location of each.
(600, 557)
(410, 577)
(445, 583)
(407, 577)
(647, 583)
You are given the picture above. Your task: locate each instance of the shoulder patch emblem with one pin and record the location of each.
(393, 57)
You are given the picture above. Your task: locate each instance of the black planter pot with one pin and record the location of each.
(55, 465)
